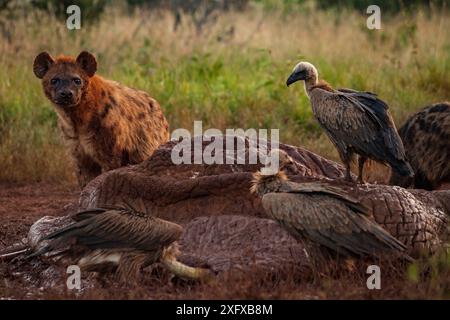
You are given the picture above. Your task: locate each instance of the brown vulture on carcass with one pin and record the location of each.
(120, 238)
(323, 216)
(356, 122)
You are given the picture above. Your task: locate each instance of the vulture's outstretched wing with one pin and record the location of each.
(361, 121)
(116, 228)
(329, 222)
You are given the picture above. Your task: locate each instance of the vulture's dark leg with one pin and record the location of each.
(346, 159)
(348, 173)
(361, 161)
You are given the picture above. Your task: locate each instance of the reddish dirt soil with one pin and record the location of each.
(21, 205)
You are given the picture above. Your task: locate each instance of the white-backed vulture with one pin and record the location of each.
(118, 238)
(356, 122)
(323, 216)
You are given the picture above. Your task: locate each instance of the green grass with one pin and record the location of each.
(238, 82)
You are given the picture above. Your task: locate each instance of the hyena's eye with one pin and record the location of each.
(54, 81)
(77, 81)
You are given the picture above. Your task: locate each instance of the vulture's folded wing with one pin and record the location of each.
(326, 189)
(362, 121)
(348, 90)
(329, 222)
(117, 228)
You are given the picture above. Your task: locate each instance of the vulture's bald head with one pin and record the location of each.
(303, 71)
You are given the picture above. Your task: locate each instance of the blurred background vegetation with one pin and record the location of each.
(223, 62)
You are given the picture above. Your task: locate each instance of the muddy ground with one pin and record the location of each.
(21, 205)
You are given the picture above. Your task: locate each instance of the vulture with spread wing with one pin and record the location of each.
(356, 122)
(121, 238)
(323, 216)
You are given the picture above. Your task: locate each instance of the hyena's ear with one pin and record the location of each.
(87, 62)
(42, 63)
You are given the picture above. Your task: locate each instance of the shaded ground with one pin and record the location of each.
(20, 206)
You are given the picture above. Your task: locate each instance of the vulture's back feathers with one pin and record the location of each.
(121, 228)
(327, 216)
(360, 122)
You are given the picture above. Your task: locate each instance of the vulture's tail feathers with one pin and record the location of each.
(402, 168)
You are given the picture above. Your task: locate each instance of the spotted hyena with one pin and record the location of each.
(426, 137)
(107, 125)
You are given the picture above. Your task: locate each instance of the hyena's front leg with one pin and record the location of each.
(88, 169)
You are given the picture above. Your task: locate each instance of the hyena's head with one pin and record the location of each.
(65, 79)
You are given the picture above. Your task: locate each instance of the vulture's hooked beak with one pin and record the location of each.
(295, 76)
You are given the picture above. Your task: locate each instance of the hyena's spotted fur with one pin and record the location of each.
(106, 124)
(426, 137)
